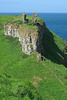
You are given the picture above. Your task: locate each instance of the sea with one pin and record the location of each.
(56, 22)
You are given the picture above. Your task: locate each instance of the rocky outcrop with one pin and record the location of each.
(11, 30)
(30, 40)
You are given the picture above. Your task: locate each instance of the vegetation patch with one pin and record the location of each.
(1, 26)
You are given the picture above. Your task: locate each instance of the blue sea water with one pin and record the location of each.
(56, 22)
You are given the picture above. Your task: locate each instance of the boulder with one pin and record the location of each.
(39, 57)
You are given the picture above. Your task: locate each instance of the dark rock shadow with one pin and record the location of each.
(51, 50)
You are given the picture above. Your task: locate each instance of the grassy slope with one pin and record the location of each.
(48, 76)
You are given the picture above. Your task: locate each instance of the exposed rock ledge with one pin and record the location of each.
(30, 40)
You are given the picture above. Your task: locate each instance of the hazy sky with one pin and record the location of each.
(54, 6)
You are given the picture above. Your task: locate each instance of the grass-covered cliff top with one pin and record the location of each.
(30, 25)
(17, 69)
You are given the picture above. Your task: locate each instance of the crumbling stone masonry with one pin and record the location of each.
(24, 18)
(34, 17)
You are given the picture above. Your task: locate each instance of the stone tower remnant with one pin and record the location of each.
(24, 18)
(34, 17)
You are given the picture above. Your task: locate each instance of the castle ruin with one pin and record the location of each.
(31, 40)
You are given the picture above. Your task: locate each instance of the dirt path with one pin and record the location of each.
(55, 75)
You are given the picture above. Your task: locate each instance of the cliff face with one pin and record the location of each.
(31, 40)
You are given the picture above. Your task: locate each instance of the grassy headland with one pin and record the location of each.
(19, 72)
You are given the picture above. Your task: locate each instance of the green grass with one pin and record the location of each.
(16, 68)
(29, 26)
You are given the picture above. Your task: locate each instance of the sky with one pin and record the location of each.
(40, 6)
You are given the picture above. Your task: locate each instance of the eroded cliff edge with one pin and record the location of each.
(30, 34)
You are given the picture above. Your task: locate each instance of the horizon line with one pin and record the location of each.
(33, 12)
